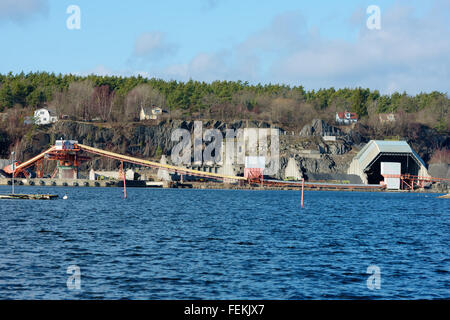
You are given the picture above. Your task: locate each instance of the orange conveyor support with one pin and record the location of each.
(30, 162)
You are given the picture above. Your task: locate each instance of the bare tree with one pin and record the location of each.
(75, 101)
(80, 94)
(140, 97)
(101, 102)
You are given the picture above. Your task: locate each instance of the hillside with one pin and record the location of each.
(115, 102)
(151, 140)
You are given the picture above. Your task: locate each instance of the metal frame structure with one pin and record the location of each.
(409, 182)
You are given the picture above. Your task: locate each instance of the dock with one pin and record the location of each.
(48, 182)
(28, 196)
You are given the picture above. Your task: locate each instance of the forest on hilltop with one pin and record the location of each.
(118, 99)
(423, 118)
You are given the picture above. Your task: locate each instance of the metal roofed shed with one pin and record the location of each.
(367, 163)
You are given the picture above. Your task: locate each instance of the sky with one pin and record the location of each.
(316, 44)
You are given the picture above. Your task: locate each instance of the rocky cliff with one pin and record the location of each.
(313, 153)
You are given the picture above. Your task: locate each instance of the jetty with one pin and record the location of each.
(28, 196)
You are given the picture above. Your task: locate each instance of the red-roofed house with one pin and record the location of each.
(346, 117)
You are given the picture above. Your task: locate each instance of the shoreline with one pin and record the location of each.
(80, 183)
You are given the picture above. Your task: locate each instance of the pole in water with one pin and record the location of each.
(13, 167)
(303, 190)
(124, 181)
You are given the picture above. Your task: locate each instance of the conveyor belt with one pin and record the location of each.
(153, 164)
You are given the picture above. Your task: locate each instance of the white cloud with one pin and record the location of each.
(409, 53)
(153, 45)
(22, 10)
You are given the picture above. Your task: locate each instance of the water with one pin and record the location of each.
(224, 244)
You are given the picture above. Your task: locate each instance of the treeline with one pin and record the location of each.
(119, 99)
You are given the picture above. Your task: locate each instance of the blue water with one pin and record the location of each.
(224, 244)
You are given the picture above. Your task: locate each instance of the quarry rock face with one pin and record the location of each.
(335, 148)
(439, 170)
(143, 140)
(319, 128)
(311, 152)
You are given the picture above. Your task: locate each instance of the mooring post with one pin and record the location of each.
(13, 167)
(124, 180)
(303, 190)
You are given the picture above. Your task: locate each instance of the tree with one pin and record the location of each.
(6, 97)
(159, 151)
(140, 97)
(120, 99)
(36, 98)
(19, 92)
(76, 100)
(359, 99)
(101, 102)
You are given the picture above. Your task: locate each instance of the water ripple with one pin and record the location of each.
(224, 244)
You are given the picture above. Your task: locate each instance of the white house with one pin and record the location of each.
(146, 114)
(45, 116)
(150, 113)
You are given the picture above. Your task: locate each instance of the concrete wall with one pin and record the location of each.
(355, 169)
(163, 174)
(56, 182)
(292, 170)
(95, 175)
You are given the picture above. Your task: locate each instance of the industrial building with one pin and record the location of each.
(385, 161)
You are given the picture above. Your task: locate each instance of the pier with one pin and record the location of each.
(49, 182)
(28, 196)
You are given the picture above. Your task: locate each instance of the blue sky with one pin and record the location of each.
(316, 44)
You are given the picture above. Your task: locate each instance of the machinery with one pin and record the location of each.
(66, 152)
